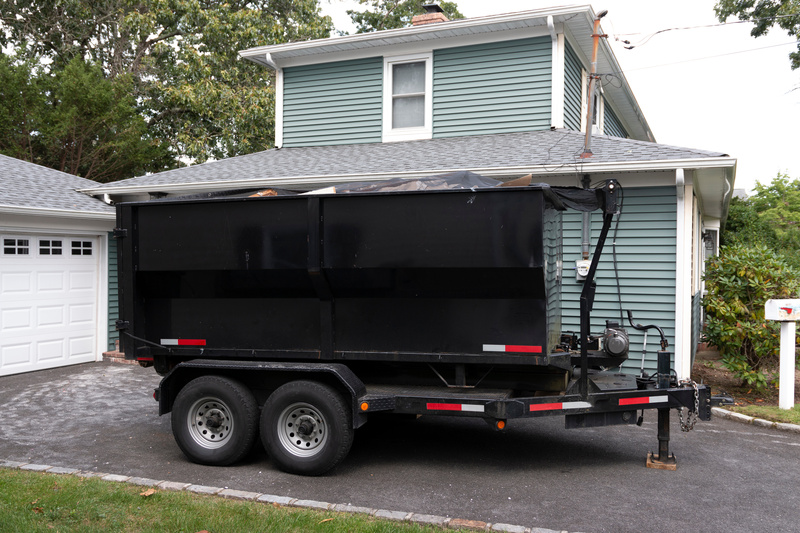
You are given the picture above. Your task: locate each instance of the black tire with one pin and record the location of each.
(215, 420)
(306, 427)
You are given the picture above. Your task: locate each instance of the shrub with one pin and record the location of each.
(739, 281)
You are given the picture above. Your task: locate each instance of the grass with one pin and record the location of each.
(36, 502)
(769, 412)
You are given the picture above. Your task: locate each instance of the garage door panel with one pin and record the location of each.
(82, 281)
(81, 315)
(15, 356)
(49, 293)
(48, 351)
(12, 320)
(81, 347)
(50, 283)
(14, 284)
(50, 316)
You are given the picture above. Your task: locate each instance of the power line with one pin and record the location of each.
(650, 36)
(711, 57)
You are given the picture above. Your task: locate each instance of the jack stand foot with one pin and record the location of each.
(670, 463)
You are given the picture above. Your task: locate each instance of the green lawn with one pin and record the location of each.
(33, 501)
(769, 412)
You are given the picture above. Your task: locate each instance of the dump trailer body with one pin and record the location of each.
(426, 277)
(298, 317)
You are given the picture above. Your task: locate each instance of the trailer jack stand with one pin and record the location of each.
(664, 460)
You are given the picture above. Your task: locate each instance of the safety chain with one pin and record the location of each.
(688, 424)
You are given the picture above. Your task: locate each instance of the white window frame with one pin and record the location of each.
(407, 134)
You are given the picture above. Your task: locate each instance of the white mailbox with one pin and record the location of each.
(782, 310)
(787, 312)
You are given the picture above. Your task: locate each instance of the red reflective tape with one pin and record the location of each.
(644, 399)
(191, 342)
(144, 358)
(524, 349)
(444, 406)
(546, 406)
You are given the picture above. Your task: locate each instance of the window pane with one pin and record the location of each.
(408, 112)
(408, 78)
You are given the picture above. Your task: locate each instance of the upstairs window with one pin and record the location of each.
(407, 105)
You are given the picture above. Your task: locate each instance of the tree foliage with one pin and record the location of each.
(75, 120)
(173, 62)
(390, 14)
(739, 281)
(765, 14)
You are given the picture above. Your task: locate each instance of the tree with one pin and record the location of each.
(765, 14)
(75, 120)
(178, 59)
(390, 14)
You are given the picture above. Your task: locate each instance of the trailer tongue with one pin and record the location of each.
(297, 317)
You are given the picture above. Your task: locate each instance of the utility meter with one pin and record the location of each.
(582, 269)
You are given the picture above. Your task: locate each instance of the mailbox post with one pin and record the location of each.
(787, 312)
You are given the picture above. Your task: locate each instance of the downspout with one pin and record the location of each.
(680, 277)
(278, 99)
(557, 76)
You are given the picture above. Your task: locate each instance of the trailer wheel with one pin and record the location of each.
(215, 420)
(306, 427)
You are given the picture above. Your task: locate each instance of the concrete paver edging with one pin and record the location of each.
(396, 516)
(760, 422)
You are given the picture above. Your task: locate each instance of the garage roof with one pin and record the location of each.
(27, 187)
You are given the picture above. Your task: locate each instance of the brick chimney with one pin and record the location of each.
(433, 14)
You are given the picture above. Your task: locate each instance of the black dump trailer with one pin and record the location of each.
(298, 317)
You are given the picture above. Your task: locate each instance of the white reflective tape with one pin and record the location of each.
(473, 408)
(169, 342)
(494, 347)
(659, 399)
(576, 405)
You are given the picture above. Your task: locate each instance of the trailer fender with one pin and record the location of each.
(347, 382)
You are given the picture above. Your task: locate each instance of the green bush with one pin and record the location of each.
(739, 281)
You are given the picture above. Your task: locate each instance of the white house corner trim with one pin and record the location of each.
(102, 297)
(557, 75)
(683, 275)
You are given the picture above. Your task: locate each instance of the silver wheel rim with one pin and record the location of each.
(210, 423)
(302, 430)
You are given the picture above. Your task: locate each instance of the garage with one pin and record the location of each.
(53, 269)
(48, 301)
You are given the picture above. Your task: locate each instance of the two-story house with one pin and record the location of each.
(503, 96)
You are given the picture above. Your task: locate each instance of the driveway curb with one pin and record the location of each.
(267, 499)
(760, 422)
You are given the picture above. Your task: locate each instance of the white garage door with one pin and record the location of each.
(48, 301)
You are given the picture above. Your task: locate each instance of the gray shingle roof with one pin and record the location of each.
(556, 148)
(24, 184)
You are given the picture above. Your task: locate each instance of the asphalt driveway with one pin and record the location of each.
(731, 477)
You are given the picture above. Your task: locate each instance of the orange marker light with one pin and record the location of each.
(501, 424)
(364, 406)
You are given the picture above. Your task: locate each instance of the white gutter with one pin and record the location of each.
(548, 170)
(61, 213)
(396, 36)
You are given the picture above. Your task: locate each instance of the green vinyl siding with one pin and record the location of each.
(113, 294)
(611, 124)
(645, 250)
(572, 89)
(492, 88)
(333, 103)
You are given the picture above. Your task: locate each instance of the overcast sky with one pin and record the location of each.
(713, 88)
